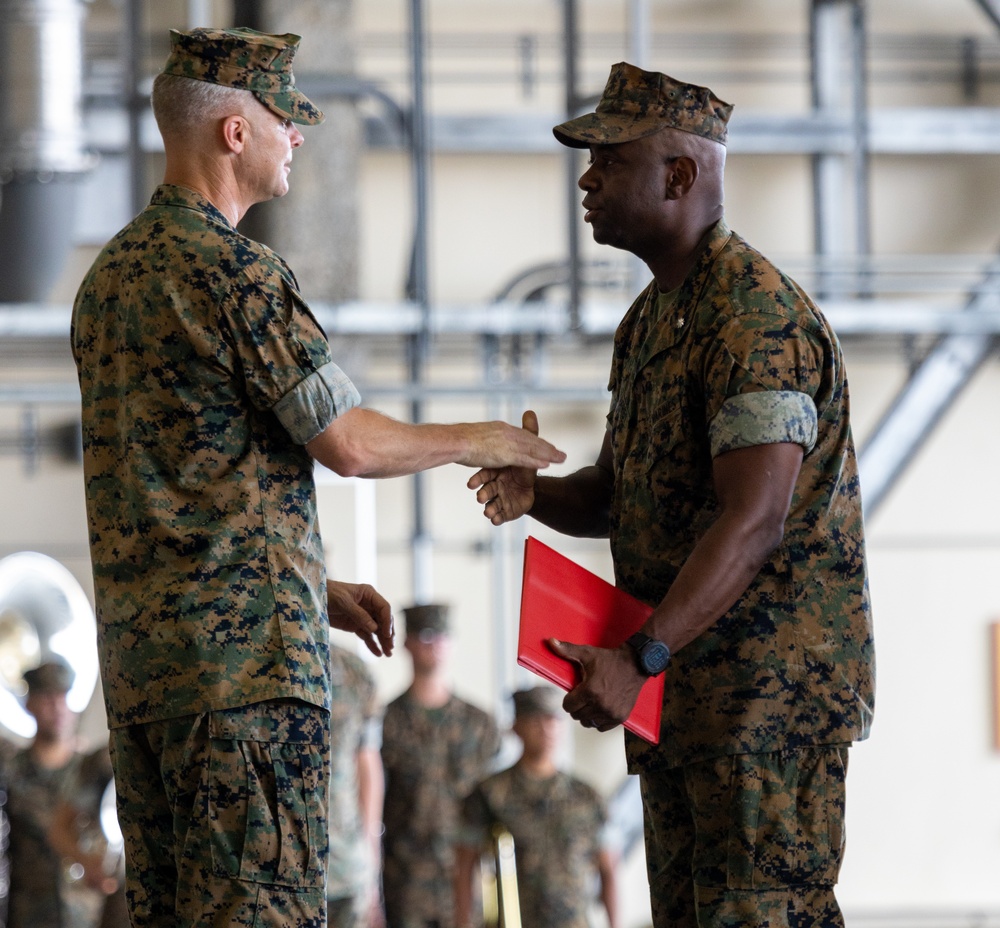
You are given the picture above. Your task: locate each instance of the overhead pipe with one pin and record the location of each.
(42, 143)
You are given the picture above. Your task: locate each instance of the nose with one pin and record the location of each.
(587, 180)
(295, 136)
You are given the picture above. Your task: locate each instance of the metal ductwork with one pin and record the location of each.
(42, 145)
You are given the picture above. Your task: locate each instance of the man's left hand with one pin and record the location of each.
(361, 609)
(609, 684)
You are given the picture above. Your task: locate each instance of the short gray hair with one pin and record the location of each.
(181, 104)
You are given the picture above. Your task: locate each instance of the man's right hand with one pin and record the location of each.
(496, 445)
(507, 492)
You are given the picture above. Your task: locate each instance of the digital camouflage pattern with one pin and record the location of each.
(355, 725)
(202, 374)
(558, 826)
(39, 894)
(761, 835)
(246, 60)
(433, 758)
(243, 806)
(697, 372)
(637, 103)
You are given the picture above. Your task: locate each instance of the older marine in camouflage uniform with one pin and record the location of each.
(208, 390)
(434, 751)
(198, 363)
(355, 740)
(728, 485)
(562, 846)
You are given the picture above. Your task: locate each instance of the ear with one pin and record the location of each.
(235, 131)
(682, 173)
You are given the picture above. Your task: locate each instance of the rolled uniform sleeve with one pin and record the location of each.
(764, 418)
(763, 377)
(314, 403)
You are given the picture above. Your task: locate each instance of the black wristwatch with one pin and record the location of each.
(651, 656)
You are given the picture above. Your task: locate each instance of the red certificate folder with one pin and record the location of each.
(560, 599)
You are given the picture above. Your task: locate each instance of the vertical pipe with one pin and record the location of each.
(134, 103)
(859, 102)
(43, 151)
(418, 290)
(570, 43)
(639, 33)
(501, 659)
(199, 13)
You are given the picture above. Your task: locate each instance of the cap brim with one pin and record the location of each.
(293, 105)
(604, 129)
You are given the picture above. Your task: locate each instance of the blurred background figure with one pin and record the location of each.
(85, 831)
(42, 891)
(7, 751)
(435, 748)
(563, 857)
(356, 791)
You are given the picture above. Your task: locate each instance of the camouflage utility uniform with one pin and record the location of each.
(355, 725)
(759, 709)
(203, 374)
(42, 893)
(433, 758)
(558, 827)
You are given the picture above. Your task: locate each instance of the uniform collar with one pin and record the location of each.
(173, 195)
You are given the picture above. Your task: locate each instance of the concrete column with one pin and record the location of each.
(314, 226)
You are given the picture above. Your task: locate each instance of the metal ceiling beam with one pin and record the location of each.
(953, 130)
(925, 398)
(992, 9)
(854, 317)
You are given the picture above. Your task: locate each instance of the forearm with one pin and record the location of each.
(578, 504)
(365, 443)
(718, 571)
(609, 888)
(371, 791)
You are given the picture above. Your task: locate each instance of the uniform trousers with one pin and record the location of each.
(224, 817)
(747, 840)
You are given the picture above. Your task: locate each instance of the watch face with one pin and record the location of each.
(655, 656)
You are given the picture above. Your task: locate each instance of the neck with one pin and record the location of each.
(670, 265)
(51, 754)
(211, 178)
(430, 690)
(540, 767)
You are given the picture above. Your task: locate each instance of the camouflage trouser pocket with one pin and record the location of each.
(266, 793)
(787, 818)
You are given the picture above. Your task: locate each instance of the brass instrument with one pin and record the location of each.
(44, 613)
(501, 906)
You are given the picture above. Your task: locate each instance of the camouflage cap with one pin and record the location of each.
(432, 618)
(54, 676)
(247, 60)
(539, 700)
(637, 103)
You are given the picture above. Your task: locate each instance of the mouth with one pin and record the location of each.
(590, 211)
